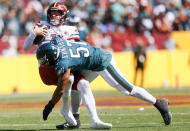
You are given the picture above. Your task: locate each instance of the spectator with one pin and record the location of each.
(127, 46)
(144, 20)
(118, 11)
(106, 42)
(118, 38)
(12, 50)
(161, 23)
(140, 60)
(12, 22)
(4, 44)
(151, 45)
(95, 37)
(108, 16)
(1, 26)
(33, 12)
(170, 44)
(97, 18)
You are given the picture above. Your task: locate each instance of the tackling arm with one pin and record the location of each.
(62, 82)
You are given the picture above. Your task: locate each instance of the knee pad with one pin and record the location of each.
(122, 90)
(82, 84)
(135, 91)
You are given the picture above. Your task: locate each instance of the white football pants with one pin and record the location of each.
(116, 79)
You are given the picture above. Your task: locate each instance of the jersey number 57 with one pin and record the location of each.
(76, 53)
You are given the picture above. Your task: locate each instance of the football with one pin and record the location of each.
(39, 38)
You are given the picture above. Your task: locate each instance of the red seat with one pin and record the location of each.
(3, 45)
(21, 49)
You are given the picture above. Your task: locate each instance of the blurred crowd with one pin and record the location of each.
(116, 25)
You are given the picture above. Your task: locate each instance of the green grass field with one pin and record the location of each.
(122, 118)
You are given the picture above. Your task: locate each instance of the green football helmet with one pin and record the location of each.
(47, 54)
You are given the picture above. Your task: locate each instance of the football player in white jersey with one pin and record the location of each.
(43, 32)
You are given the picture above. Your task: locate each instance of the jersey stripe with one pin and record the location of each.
(119, 78)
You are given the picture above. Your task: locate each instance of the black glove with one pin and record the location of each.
(47, 110)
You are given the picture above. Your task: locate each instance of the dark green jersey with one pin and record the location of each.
(81, 55)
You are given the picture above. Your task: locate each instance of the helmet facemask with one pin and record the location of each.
(55, 21)
(57, 14)
(56, 18)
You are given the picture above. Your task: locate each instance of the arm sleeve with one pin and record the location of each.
(28, 43)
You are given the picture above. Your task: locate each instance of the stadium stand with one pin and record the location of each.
(106, 19)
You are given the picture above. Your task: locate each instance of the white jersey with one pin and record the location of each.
(64, 31)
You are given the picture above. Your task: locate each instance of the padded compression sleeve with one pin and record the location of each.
(28, 43)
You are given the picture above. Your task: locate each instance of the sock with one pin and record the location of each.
(143, 95)
(76, 101)
(88, 99)
(65, 109)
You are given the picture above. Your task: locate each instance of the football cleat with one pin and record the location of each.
(163, 106)
(100, 125)
(67, 126)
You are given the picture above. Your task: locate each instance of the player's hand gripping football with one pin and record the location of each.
(47, 110)
(40, 30)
